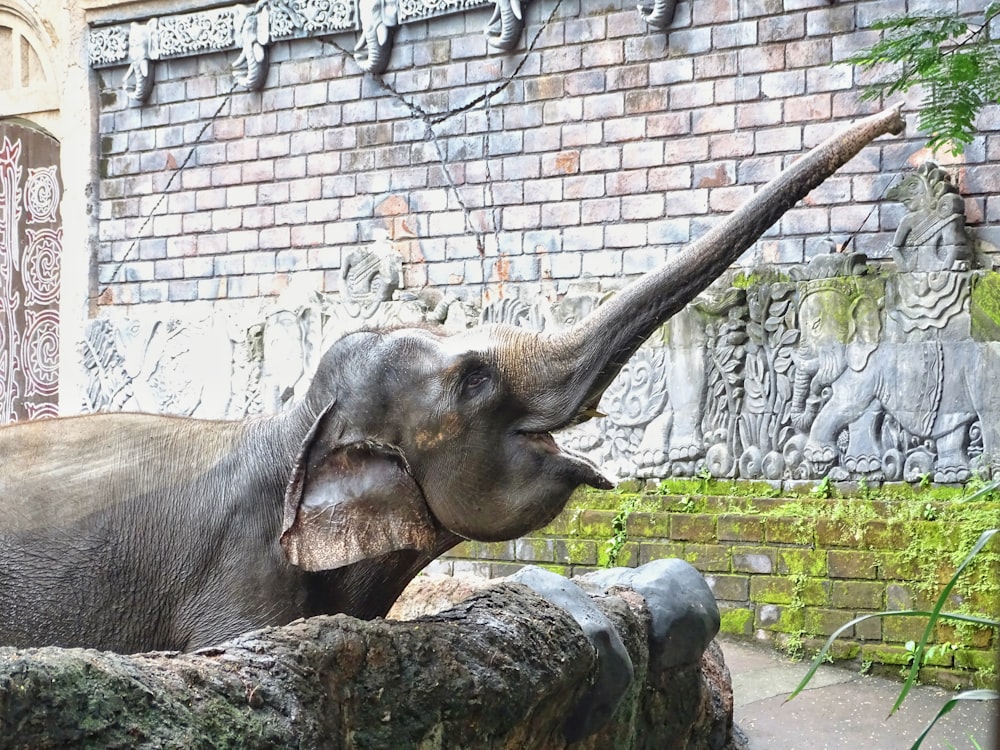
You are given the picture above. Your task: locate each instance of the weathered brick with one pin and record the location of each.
(857, 594)
(696, 527)
(708, 557)
(821, 621)
(789, 530)
(740, 528)
(753, 559)
(781, 619)
(649, 551)
(811, 562)
(729, 587)
(852, 564)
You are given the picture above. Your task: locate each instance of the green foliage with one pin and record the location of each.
(920, 652)
(619, 535)
(955, 61)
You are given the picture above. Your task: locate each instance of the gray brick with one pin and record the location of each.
(837, 19)
(688, 202)
(630, 182)
(643, 259)
(778, 139)
(690, 41)
(242, 241)
(625, 236)
(783, 84)
(560, 214)
(600, 159)
(521, 217)
(670, 71)
(584, 186)
(603, 106)
(582, 238)
(691, 96)
(625, 129)
(606, 264)
(643, 154)
(835, 78)
(714, 119)
(562, 110)
(582, 134)
(740, 34)
(600, 211)
(669, 231)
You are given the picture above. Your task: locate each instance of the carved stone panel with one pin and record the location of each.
(30, 249)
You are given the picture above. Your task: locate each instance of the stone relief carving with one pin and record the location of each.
(252, 28)
(379, 19)
(659, 15)
(138, 80)
(839, 368)
(253, 36)
(503, 30)
(370, 275)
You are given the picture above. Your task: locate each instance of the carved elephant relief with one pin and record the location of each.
(909, 395)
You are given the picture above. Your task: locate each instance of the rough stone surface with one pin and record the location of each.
(501, 669)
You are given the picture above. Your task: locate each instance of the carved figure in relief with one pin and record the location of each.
(659, 15)
(140, 68)
(370, 276)
(932, 235)
(503, 30)
(672, 440)
(253, 35)
(905, 382)
(379, 19)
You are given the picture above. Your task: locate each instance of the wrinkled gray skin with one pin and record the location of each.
(134, 532)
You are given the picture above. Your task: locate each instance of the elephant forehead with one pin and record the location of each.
(58, 471)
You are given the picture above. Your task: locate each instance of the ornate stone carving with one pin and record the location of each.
(370, 276)
(659, 15)
(140, 69)
(833, 370)
(30, 248)
(379, 19)
(503, 30)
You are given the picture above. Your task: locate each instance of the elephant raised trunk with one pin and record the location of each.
(586, 358)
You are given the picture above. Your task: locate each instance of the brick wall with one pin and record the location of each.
(595, 149)
(789, 570)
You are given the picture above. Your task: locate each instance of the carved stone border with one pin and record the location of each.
(252, 28)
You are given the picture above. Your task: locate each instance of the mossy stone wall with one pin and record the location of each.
(792, 569)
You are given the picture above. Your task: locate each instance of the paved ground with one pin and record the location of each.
(843, 710)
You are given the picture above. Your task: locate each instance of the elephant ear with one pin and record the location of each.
(348, 503)
(865, 330)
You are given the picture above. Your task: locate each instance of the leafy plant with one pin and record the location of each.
(823, 488)
(955, 61)
(619, 535)
(920, 650)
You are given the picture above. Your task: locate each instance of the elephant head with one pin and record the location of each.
(504, 28)
(459, 427)
(378, 19)
(840, 327)
(140, 68)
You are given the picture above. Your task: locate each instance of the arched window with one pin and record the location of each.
(30, 87)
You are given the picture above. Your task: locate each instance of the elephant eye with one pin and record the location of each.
(474, 381)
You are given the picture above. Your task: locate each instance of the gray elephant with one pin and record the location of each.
(133, 532)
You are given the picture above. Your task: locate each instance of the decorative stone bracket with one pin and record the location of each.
(252, 28)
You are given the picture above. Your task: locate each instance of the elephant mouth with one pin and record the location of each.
(579, 469)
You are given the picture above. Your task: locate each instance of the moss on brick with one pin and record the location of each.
(737, 621)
